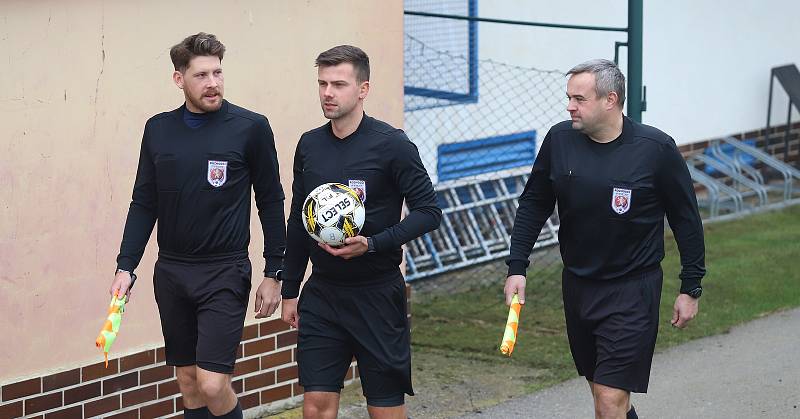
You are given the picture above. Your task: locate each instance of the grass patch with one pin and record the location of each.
(752, 268)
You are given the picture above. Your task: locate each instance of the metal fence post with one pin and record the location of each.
(635, 26)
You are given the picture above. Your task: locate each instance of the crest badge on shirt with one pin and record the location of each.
(360, 186)
(217, 172)
(621, 200)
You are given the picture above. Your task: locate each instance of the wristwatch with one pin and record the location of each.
(276, 275)
(694, 292)
(370, 245)
(133, 275)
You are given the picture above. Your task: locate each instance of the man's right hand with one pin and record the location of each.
(122, 285)
(515, 284)
(289, 312)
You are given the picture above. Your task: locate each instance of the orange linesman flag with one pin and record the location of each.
(510, 335)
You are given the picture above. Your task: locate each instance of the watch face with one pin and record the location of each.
(695, 293)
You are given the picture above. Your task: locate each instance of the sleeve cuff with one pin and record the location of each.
(517, 267)
(126, 264)
(290, 289)
(382, 242)
(273, 264)
(689, 284)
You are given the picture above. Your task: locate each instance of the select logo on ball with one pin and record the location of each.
(333, 212)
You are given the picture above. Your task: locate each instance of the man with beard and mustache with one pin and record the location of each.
(614, 180)
(354, 305)
(196, 167)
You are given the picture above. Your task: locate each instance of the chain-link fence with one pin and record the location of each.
(478, 150)
(478, 125)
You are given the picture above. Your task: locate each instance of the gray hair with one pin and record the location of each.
(608, 77)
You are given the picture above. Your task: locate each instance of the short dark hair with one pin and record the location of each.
(193, 46)
(346, 54)
(608, 77)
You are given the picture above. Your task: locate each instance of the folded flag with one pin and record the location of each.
(510, 335)
(110, 329)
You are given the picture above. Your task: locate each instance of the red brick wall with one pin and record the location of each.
(142, 386)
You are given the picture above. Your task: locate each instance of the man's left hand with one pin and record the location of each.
(268, 296)
(685, 309)
(353, 247)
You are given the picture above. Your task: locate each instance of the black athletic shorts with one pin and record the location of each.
(369, 323)
(612, 327)
(202, 308)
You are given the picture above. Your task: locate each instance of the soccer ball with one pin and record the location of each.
(333, 212)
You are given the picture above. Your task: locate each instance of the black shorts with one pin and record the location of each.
(612, 327)
(369, 323)
(202, 308)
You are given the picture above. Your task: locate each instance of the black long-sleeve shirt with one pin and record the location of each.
(612, 199)
(196, 183)
(389, 166)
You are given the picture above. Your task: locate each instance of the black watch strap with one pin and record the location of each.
(695, 292)
(276, 275)
(370, 245)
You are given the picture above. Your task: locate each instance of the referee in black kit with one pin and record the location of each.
(354, 302)
(614, 180)
(196, 167)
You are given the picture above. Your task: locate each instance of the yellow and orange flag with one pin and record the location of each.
(510, 335)
(108, 334)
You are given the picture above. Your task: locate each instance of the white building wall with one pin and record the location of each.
(706, 63)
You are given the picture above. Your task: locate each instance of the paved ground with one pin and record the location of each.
(751, 372)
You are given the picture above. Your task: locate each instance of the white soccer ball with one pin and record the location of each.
(333, 212)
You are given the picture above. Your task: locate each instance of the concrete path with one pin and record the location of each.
(751, 372)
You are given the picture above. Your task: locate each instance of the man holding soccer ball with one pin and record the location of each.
(353, 305)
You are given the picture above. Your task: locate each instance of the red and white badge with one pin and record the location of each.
(217, 172)
(360, 186)
(621, 200)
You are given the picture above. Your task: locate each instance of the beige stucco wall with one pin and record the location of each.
(78, 80)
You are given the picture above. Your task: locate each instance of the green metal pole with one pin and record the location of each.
(635, 60)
